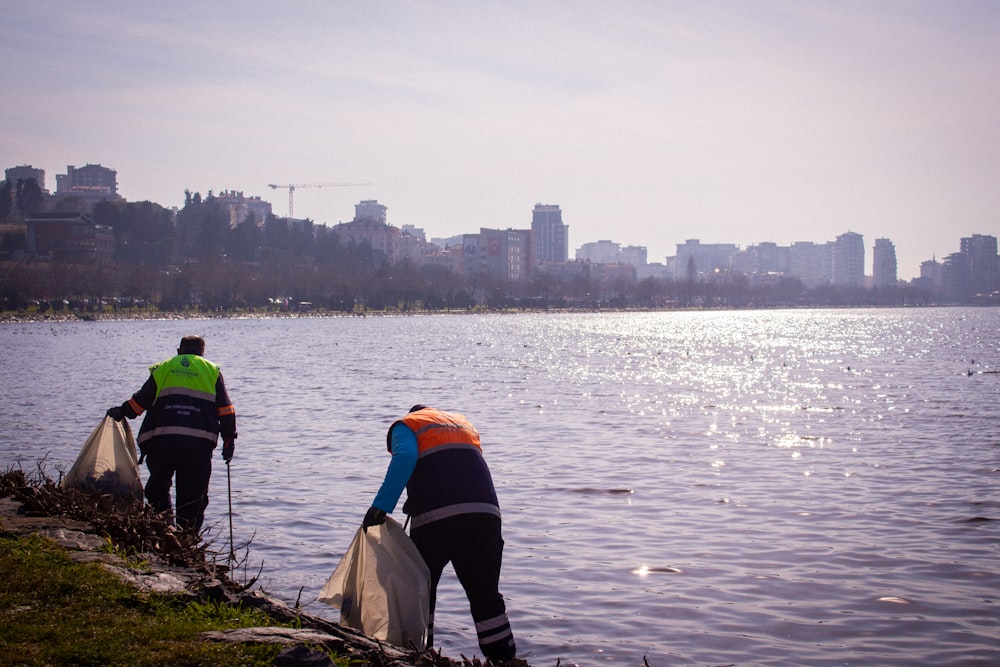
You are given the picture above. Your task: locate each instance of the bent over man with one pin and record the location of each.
(187, 407)
(454, 511)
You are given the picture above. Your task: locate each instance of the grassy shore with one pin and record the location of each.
(54, 611)
(81, 601)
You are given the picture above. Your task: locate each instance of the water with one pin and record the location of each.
(753, 488)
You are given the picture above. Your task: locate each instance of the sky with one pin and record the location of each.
(648, 123)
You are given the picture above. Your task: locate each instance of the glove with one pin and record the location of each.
(116, 413)
(374, 517)
(228, 448)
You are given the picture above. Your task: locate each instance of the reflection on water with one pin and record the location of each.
(773, 487)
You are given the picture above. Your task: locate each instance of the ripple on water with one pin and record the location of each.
(854, 519)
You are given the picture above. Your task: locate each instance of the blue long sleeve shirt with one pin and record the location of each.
(404, 459)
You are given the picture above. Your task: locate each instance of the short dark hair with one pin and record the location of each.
(418, 406)
(192, 345)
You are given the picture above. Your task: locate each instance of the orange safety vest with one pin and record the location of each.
(436, 428)
(451, 476)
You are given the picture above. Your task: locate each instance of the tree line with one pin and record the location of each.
(195, 259)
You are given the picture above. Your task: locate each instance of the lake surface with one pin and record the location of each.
(798, 487)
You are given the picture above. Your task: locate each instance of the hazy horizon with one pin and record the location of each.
(648, 123)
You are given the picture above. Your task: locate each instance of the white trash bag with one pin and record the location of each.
(382, 587)
(107, 462)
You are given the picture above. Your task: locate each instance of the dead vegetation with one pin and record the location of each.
(132, 527)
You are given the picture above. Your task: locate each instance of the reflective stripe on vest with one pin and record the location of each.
(453, 510)
(176, 430)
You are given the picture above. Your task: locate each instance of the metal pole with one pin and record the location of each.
(232, 553)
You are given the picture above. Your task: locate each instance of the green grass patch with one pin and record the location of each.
(54, 611)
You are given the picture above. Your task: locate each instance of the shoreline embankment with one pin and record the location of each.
(139, 550)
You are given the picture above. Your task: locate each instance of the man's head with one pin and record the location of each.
(418, 406)
(192, 345)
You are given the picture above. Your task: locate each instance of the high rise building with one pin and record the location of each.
(812, 263)
(600, 252)
(981, 251)
(551, 236)
(694, 258)
(472, 259)
(883, 263)
(768, 257)
(956, 276)
(506, 254)
(849, 260)
(636, 255)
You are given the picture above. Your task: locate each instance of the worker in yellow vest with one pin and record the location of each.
(187, 407)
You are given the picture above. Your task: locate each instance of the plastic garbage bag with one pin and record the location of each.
(382, 587)
(107, 462)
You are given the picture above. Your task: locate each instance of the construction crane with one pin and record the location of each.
(291, 189)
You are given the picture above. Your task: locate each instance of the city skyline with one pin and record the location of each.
(100, 179)
(647, 123)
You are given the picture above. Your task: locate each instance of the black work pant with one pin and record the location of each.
(474, 546)
(192, 468)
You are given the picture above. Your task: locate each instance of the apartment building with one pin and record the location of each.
(506, 254)
(849, 260)
(984, 271)
(550, 235)
(702, 258)
(812, 263)
(599, 252)
(91, 183)
(238, 207)
(884, 263)
(25, 172)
